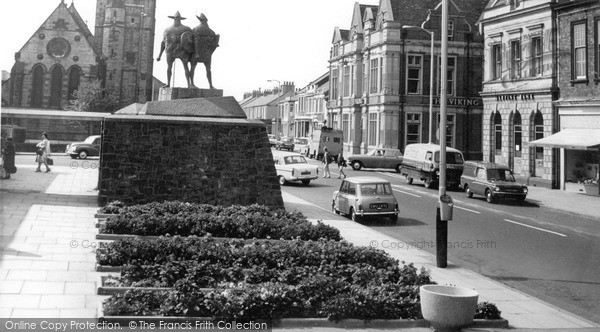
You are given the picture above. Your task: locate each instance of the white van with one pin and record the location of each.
(421, 161)
(325, 137)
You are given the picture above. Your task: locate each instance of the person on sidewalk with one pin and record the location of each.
(8, 153)
(44, 149)
(327, 159)
(341, 161)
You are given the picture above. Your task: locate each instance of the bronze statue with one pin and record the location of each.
(190, 46)
(205, 43)
(178, 41)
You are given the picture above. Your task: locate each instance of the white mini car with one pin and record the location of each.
(294, 167)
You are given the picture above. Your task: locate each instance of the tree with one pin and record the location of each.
(92, 97)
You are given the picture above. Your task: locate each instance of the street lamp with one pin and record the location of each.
(277, 117)
(431, 33)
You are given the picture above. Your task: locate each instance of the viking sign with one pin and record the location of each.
(191, 46)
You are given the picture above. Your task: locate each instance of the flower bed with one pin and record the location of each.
(235, 253)
(186, 219)
(317, 296)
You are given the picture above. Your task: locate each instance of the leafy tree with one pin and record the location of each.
(92, 97)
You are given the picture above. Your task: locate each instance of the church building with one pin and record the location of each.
(62, 53)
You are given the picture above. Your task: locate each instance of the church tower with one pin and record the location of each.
(125, 35)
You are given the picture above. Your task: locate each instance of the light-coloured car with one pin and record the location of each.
(378, 158)
(272, 140)
(366, 196)
(294, 167)
(88, 148)
(301, 145)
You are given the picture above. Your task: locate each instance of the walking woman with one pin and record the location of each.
(44, 154)
(341, 161)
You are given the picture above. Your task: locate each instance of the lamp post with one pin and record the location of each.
(431, 33)
(277, 117)
(445, 204)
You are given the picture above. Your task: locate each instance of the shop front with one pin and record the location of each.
(579, 158)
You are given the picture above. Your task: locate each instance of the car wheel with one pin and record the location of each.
(488, 196)
(468, 192)
(83, 154)
(521, 200)
(392, 219)
(73, 156)
(429, 183)
(357, 165)
(398, 169)
(409, 180)
(333, 209)
(306, 182)
(282, 180)
(354, 216)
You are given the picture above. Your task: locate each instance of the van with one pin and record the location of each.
(492, 181)
(325, 137)
(421, 161)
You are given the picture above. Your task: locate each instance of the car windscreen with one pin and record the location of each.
(90, 139)
(375, 189)
(500, 175)
(294, 160)
(451, 158)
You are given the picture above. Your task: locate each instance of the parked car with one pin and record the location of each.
(272, 140)
(285, 143)
(378, 158)
(294, 167)
(88, 148)
(365, 196)
(492, 181)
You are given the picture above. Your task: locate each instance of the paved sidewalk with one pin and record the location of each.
(47, 251)
(46, 244)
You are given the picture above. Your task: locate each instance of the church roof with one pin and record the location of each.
(67, 14)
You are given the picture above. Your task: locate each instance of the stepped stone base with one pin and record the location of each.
(165, 94)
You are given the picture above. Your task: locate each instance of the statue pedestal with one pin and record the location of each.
(165, 94)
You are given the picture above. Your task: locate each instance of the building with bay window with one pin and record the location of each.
(380, 76)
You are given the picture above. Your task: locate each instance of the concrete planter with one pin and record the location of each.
(448, 308)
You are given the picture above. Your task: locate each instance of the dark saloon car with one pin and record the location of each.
(88, 148)
(285, 143)
(491, 180)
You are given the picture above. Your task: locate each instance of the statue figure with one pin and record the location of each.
(205, 43)
(178, 41)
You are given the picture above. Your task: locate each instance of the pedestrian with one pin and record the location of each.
(43, 153)
(341, 161)
(8, 154)
(327, 159)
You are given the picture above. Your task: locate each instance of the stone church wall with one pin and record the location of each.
(204, 160)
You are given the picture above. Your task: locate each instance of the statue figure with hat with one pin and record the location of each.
(178, 41)
(205, 43)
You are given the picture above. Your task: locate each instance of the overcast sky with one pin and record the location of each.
(260, 39)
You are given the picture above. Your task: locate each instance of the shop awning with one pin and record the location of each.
(573, 139)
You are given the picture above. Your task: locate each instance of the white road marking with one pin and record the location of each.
(539, 229)
(407, 193)
(462, 208)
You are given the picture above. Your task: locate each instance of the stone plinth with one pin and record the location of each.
(219, 161)
(165, 94)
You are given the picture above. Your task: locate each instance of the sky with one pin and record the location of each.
(260, 40)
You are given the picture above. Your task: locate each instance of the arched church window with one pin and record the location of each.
(37, 88)
(74, 79)
(56, 84)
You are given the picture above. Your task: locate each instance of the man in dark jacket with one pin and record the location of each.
(8, 152)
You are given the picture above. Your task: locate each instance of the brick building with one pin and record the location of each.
(576, 140)
(380, 69)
